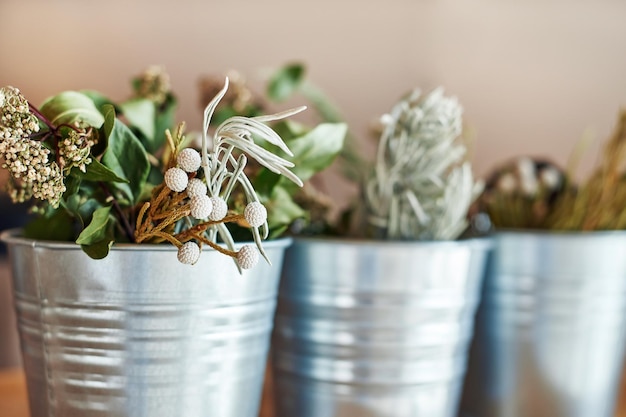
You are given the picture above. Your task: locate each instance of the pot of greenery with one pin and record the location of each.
(134, 296)
(550, 330)
(376, 321)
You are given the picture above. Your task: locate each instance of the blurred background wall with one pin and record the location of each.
(533, 76)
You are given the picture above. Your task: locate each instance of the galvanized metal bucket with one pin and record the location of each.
(139, 334)
(551, 328)
(374, 329)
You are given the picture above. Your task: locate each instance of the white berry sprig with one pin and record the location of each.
(190, 208)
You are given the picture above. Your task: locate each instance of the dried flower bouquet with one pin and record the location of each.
(101, 172)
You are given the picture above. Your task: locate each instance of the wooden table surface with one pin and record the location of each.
(14, 402)
(13, 399)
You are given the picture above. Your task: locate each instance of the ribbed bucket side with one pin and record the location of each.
(551, 329)
(374, 329)
(138, 334)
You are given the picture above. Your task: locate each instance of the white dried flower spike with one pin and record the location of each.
(196, 187)
(188, 160)
(176, 179)
(220, 209)
(551, 178)
(247, 257)
(200, 206)
(255, 214)
(189, 253)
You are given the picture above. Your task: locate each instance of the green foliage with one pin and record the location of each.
(314, 148)
(285, 82)
(69, 107)
(100, 201)
(123, 154)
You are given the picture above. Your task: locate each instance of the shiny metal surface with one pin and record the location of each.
(139, 334)
(550, 330)
(374, 329)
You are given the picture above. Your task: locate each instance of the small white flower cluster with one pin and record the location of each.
(32, 174)
(203, 207)
(16, 120)
(27, 161)
(75, 148)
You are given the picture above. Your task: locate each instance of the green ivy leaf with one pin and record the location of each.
(285, 82)
(125, 156)
(69, 107)
(140, 113)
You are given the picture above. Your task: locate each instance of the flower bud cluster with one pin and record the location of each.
(154, 84)
(27, 160)
(74, 149)
(16, 120)
(182, 178)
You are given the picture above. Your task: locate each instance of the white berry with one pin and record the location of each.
(200, 206)
(220, 209)
(176, 179)
(247, 257)
(255, 214)
(189, 253)
(196, 187)
(188, 160)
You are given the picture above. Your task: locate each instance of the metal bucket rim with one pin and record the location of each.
(13, 237)
(558, 234)
(484, 243)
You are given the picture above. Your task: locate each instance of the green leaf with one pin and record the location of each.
(97, 228)
(140, 113)
(285, 82)
(98, 250)
(97, 238)
(99, 100)
(97, 172)
(126, 157)
(69, 107)
(164, 120)
(58, 226)
(281, 210)
(108, 111)
(317, 149)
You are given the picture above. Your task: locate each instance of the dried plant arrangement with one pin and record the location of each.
(420, 185)
(101, 172)
(531, 193)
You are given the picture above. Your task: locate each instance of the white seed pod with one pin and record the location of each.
(189, 253)
(196, 187)
(255, 214)
(176, 179)
(220, 209)
(189, 160)
(247, 257)
(200, 206)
